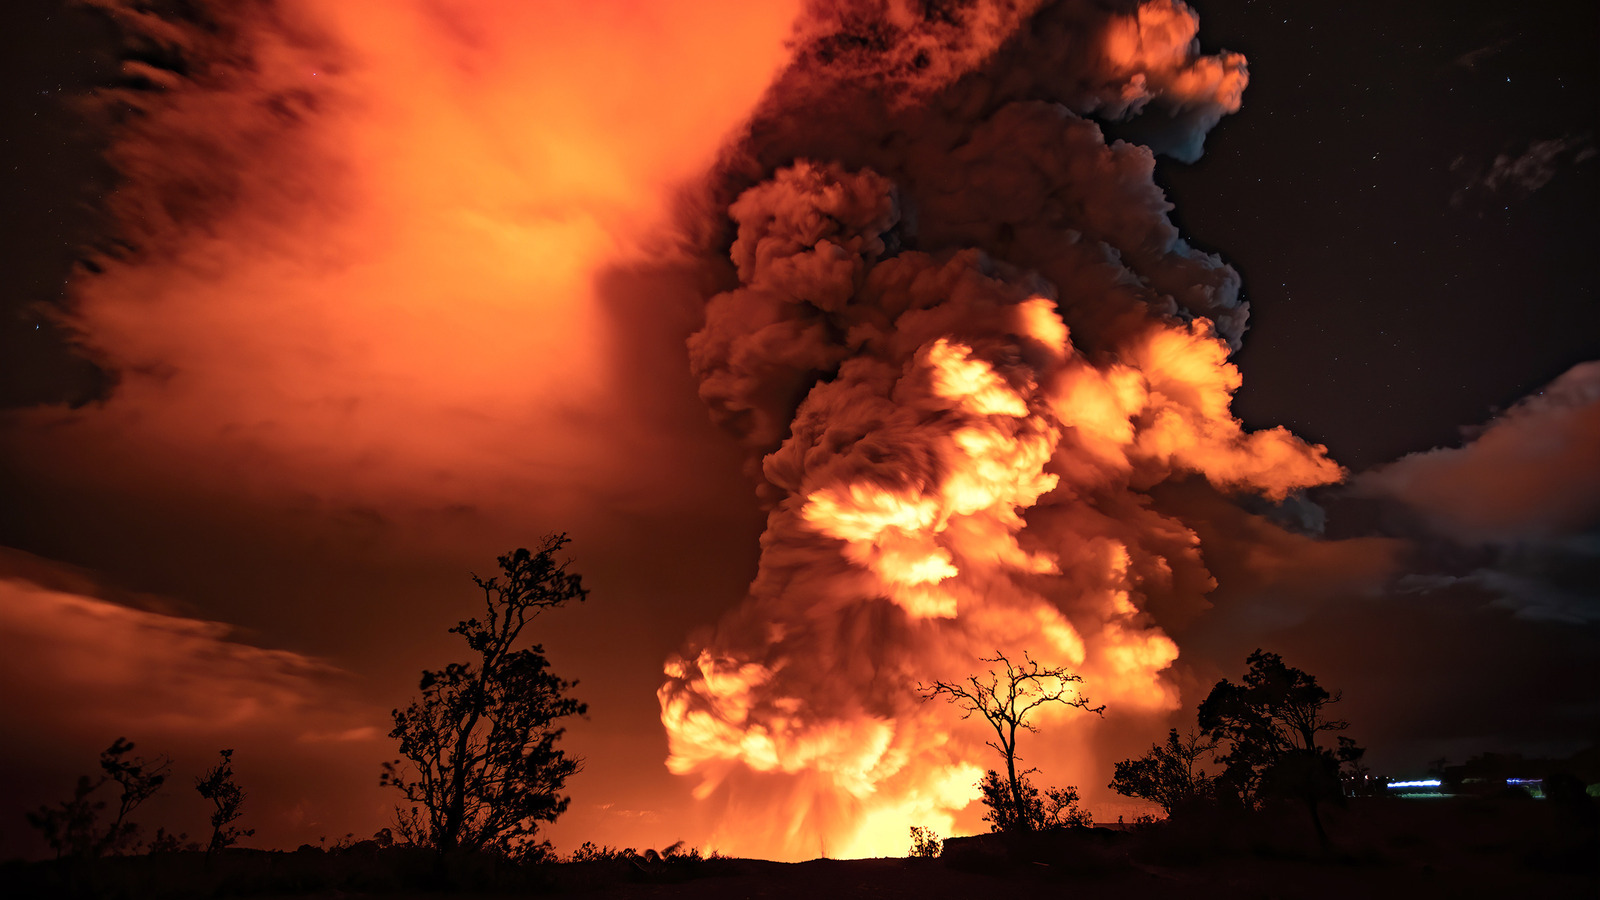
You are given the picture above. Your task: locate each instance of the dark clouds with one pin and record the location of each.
(1512, 178)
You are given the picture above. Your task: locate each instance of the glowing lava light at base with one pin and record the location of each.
(964, 342)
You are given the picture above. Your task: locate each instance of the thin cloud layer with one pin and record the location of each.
(1513, 515)
(94, 666)
(83, 670)
(1514, 177)
(1529, 474)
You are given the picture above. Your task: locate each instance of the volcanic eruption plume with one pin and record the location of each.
(964, 343)
(355, 245)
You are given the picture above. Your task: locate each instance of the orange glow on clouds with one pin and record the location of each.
(372, 301)
(965, 473)
(112, 667)
(1155, 48)
(952, 551)
(367, 256)
(1157, 42)
(809, 680)
(183, 687)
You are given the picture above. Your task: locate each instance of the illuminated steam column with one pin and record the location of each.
(965, 342)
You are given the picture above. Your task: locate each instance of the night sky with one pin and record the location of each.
(1397, 294)
(1408, 192)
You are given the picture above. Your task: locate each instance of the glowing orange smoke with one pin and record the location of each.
(368, 235)
(362, 300)
(954, 555)
(1154, 47)
(967, 473)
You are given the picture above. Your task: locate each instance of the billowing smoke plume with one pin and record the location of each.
(357, 246)
(964, 341)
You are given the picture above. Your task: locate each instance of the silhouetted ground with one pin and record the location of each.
(1493, 847)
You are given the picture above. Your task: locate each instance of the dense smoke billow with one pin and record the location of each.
(964, 343)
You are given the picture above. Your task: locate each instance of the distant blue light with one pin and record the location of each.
(1431, 782)
(1524, 781)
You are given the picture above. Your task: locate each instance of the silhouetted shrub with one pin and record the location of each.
(218, 786)
(73, 828)
(1024, 808)
(925, 844)
(1169, 775)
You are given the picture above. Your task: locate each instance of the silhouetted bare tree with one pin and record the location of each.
(1006, 701)
(485, 769)
(72, 827)
(218, 786)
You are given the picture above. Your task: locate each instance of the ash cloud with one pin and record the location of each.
(964, 344)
